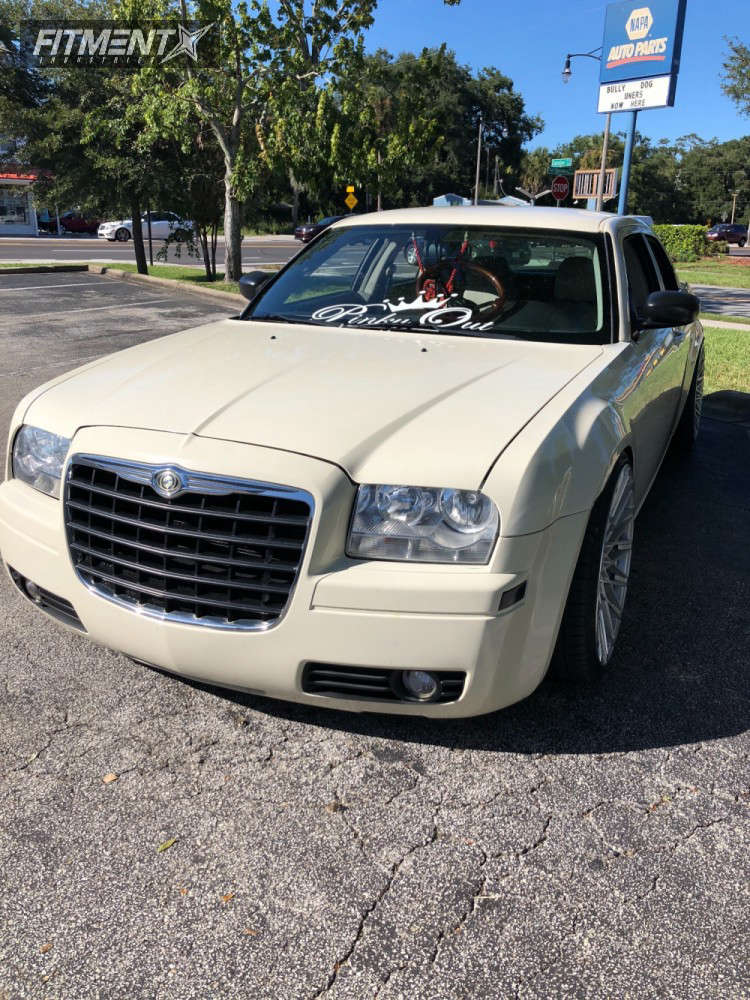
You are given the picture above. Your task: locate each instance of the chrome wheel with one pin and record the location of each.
(614, 565)
(698, 396)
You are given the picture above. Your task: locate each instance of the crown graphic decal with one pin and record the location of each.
(439, 302)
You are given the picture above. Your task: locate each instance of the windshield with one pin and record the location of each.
(492, 282)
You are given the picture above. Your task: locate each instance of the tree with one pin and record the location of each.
(21, 88)
(263, 84)
(420, 113)
(81, 129)
(708, 176)
(736, 77)
(385, 128)
(535, 171)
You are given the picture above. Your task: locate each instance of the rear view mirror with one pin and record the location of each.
(669, 309)
(251, 283)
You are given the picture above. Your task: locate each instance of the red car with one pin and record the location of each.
(308, 230)
(74, 222)
(730, 232)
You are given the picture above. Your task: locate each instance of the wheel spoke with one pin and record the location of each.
(601, 638)
(614, 566)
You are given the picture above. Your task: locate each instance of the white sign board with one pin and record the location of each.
(634, 95)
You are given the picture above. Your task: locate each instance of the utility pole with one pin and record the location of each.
(494, 182)
(734, 204)
(479, 162)
(603, 168)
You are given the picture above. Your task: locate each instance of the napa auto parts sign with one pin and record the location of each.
(641, 54)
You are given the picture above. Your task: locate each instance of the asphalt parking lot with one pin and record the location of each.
(584, 843)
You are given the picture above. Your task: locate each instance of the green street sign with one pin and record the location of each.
(562, 161)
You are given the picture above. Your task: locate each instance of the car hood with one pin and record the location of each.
(386, 406)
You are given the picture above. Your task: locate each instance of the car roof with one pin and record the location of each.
(521, 217)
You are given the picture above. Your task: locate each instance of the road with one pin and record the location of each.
(263, 251)
(585, 843)
(729, 301)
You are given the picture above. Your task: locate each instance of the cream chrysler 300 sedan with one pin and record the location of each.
(402, 480)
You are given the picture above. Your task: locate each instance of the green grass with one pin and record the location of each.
(728, 272)
(22, 263)
(194, 275)
(727, 360)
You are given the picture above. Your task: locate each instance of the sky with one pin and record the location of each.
(528, 41)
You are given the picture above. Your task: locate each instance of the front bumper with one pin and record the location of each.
(342, 611)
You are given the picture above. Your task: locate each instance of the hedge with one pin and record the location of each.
(688, 243)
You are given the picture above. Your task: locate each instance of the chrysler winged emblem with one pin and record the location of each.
(167, 482)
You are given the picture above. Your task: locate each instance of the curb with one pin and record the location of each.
(42, 268)
(214, 294)
(719, 325)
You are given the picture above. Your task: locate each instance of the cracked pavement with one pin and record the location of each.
(588, 842)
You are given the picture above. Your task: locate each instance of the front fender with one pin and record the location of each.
(557, 467)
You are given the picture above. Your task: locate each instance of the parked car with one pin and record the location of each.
(309, 230)
(729, 232)
(386, 486)
(163, 224)
(74, 222)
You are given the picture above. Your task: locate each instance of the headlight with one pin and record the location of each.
(38, 458)
(423, 524)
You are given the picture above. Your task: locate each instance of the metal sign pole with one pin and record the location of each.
(622, 206)
(479, 162)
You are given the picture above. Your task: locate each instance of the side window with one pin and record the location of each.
(664, 264)
(329, 268)
(642, 279)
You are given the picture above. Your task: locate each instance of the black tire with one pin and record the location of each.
(686, 432)
(741, 243)
(122, 235)
(576, 658)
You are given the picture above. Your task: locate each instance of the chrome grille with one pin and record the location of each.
(220, 552)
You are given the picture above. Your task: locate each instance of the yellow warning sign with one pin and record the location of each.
(350, 200)
(350, 189)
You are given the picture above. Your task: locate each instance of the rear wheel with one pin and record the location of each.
(741, 243)
(122, 235)
(596, 600)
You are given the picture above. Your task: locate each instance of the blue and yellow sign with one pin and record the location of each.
(642, 40)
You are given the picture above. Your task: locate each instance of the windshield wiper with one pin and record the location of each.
(295, 320)
(273, 318)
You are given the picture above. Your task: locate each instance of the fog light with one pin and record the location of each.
(33, 591)
(420, 685)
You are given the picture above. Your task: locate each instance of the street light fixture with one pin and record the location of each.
(566, 74)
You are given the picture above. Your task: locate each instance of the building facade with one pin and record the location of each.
(17, 212)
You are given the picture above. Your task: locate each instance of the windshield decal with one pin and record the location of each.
(435, 312)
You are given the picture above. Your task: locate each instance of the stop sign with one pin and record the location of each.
(560, 188)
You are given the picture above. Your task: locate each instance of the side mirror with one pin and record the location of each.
(669, 309)
(251, 283)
